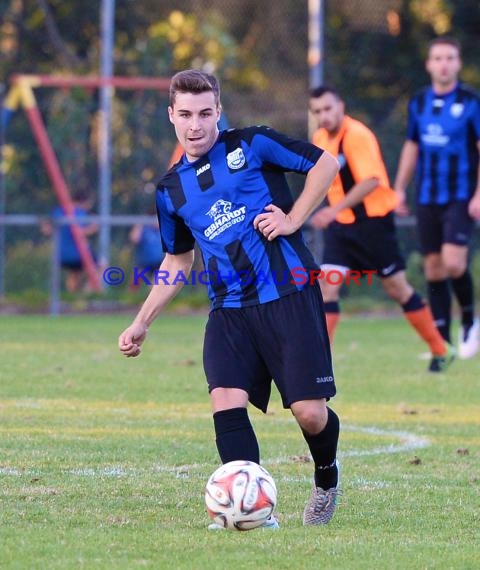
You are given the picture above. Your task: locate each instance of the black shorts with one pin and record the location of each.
(437, 225)
(72, 265)
(370, 244)
(284, 340)
(78, 264)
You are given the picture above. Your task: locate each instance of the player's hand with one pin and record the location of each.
(323, 218)
(474, 206)
(402, 208)
(273, 223)
(131, 339)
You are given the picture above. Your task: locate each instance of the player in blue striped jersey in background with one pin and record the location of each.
(442, 149)
(228, 193)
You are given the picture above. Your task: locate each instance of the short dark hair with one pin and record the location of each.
(445, 40)
(194, 81)
(322, 90)
(82, 195)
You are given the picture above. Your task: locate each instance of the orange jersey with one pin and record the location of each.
(360, 158)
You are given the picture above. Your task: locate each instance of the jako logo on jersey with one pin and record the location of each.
(342, 161)
(236, 159)
(223, 218)
(203, 169)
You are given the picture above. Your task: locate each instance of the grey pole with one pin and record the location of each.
(2, 195)
(316, 11)
(107, 18)
(316, 25)
(55, 274)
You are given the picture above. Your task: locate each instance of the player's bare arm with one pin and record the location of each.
(273, 222)
(131, 339)
(135, 233)
(325, 216)
(474, 204)
(406, 168)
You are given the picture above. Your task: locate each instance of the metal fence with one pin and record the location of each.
(360, 40)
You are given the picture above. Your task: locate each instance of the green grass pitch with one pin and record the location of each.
(103, 459)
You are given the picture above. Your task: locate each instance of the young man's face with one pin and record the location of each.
(195, 118)
(328, 111)
(443, 64)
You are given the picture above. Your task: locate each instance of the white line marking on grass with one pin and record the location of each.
(29, 404)
(179, 468)
(116, 471)
(9, 471)
(367, 485)
(180, 471)
(407, 442)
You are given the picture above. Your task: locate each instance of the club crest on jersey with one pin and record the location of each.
(224, 216)
(342, 161)
(456, 110)
(236, 159)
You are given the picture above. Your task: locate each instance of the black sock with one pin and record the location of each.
(331, 307)
(235, 436)
(415, 303)
(463, 290)
(323, 448)
(440, 301)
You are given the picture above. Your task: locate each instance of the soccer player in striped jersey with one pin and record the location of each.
(228, 193)
(442, 149)
(358, 221)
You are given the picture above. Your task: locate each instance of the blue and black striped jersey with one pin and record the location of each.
(446, 128)
(214, 201)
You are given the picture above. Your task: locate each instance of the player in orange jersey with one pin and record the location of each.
(358, 222)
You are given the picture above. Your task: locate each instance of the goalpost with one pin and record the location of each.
(22, 95)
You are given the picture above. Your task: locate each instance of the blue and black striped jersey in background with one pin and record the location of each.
(446, 128)
(214, 201)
